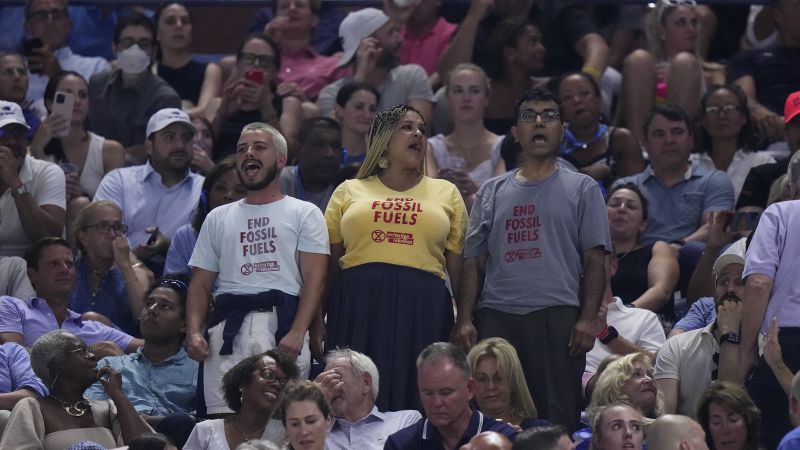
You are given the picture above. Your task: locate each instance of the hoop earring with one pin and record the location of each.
(53, 383)
(383, 162)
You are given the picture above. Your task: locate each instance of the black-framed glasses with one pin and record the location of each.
(84, 350)
(727, 109)
(46, 14)
(548, 116)
(267, 62)
(145, 44)
(272, 377)
(17, 132)
(175, 285)
(104, 227)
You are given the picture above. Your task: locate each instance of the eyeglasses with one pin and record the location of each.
(84, 350)
(16, 132)
(47, 14)
(272, 377)
(145, 44)
(264, 61)
(727, 109)
(175, 285)
(103, 227)
(548, 116)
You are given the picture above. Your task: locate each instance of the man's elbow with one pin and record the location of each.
(759, 284)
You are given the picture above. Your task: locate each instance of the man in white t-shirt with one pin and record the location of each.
(268, 254)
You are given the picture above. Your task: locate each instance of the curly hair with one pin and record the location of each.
(240, 375)
(734, 399)
(608, 390)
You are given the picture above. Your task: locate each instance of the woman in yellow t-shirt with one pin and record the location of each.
(395, 234)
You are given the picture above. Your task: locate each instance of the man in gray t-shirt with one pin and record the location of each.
(537, 239)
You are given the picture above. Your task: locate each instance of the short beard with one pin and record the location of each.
(387, 60)
(272, 172)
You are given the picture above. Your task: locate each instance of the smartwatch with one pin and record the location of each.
(22, 189)
(731, 338)
(611, 334)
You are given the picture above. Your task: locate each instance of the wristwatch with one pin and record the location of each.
(611, 334)
(731, 338)
(22, 189)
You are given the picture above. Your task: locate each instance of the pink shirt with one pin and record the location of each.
(310, 70)
(426, 49)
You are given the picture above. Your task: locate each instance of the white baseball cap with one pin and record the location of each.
(355, 27)
(166, 117)
(732, 255)
(10, 112)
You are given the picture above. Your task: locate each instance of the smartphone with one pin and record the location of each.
(153, 237)
(63, 103)
(745, 222)
(254, 75)
(29, 44)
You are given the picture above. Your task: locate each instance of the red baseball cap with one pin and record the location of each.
(792, 107)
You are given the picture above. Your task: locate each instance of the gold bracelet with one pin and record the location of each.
(138, 264)
(591, 71)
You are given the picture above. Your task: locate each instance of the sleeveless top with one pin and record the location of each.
(92, 172)
(446, 160)
(630, 281)
(187, 80)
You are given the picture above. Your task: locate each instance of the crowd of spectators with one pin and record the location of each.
(488, 224)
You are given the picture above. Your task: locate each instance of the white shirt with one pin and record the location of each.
(740, 166)
(84, 65)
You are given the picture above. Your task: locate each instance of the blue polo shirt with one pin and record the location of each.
(422, 435)
(677, 211)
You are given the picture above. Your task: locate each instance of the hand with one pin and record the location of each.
(717, 222)
(252, 95)
(729, 316)
(464, 335)
(769, 124)
(111, 381)
(160, 246)
(9, 167)
(122, 252)
(52, 126)
(317, 336)
(398, 14)
(465, 184)
(197, 347)
(601, 322)
(275, 27)
(43, 61)
(367, 54)
(597, 171)
(331, 384)
(229, 102)
(201, 163)
(292, 343)
(291, 89)
(581, 339)
(73, 186)
(772, 347)
(106, 348)
(479, 9)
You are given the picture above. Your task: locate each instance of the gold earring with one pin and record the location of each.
(383, 163)
(241, 396)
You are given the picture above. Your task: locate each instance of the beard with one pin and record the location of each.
(257, 185)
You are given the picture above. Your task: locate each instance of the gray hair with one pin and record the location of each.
(46, 349)
(258, 444)
(281, 147)
(360, 364)
(793, 175)
(445, 351)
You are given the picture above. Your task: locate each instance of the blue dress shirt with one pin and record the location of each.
(16, 372)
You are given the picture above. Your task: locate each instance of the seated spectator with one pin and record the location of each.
(258, 444)
(622, 330)
(766, 75)
(195, 82)
(500, 388)
(726, 137)
(36, 205)
(425, 37)
(252, 389)
(350, 382)
(670, 72)
(14, 86)
(158, 197)
(203, 146)
(123, 99)
(603, 152)
(445, 388)
(470, 154)
(729, 417)
(371, 45)
(547, 437)
(14, 280)
(318, 156)
(303, 71)
(250, 95)
(159, 378)
(109, 279)
(151, 441)
(85, 157)
(756, 189)
(220, 187)
(681, 196)
(792, 439)
(618, 427)
(688, 363)
(628, 380)
(49, 21)
(488, 440)
(646, 274)
(518, 56)
(51, 270)
(67, 365)
(356, 105)
(674, 432)
(306, 415)
(720, 235)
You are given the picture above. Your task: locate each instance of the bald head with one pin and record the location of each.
(670, 431)
(488, 440)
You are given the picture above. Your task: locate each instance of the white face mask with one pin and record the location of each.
(133, 60)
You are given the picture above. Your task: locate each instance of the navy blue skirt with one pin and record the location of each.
(390, 313)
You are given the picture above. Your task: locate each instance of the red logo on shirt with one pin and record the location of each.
(378, 236)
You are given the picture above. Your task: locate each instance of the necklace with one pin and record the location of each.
(257, 433)
(619, 258)
(77, 409)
